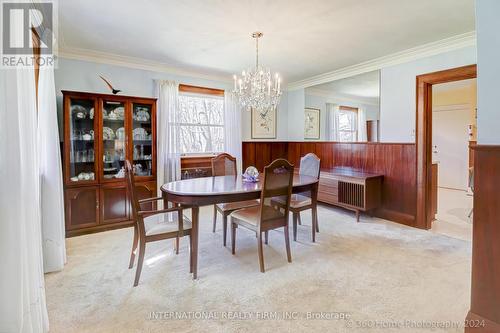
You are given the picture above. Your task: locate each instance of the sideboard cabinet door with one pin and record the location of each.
(82, 207)
(114, 203)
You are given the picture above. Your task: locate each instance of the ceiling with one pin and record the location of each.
(301, 38)
(363, 87)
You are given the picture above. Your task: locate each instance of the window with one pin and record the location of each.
(347, 124)
(200, 120)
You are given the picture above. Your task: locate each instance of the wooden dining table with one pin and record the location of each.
(196, 192)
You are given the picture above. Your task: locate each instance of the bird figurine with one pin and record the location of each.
(113, 90)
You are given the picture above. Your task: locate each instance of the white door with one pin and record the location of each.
(450, 142)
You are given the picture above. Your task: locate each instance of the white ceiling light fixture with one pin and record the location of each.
(257, 88)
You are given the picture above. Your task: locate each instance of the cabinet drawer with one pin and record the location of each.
(327, 197)
(328, 189)
(327, 181)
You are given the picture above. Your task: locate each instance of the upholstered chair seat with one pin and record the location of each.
(251, 216)
(164, 223)
(230, 206)
(296, 201)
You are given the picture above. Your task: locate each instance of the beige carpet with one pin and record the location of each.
(376, 273)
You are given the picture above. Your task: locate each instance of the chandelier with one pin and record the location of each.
(257, 88)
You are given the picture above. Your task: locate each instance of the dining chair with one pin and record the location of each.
(309, 166)
(225, 165)
(277, 182)
(153, 225)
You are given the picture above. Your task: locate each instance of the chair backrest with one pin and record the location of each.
(277, 182)
(310, 165)
(224, 165)
(134, 199)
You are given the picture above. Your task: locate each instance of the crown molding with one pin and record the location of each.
(136, 63)
(336, 96)
(422, 51)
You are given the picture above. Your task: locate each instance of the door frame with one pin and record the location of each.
(423, 136)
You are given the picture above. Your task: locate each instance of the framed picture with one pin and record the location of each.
(311, 123)
(263, 124)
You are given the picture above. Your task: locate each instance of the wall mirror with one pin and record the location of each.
(349, 109)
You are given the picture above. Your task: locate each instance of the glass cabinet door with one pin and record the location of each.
(82, 147)
(113, 140)
(142, 139)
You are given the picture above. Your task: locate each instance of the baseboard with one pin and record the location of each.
(99, 228)
(474, 323)
(395, 216)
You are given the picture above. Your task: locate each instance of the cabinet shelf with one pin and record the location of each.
(81, 120)
(120, 121)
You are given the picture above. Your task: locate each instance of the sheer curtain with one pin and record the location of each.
(169, 158)
(232, 127)
(22, 289)
(52, 204)
(332, 121)
(362, 132)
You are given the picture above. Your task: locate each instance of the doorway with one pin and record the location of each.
(453, 132)
(425, 208)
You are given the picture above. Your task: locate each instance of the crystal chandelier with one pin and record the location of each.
(257, 88)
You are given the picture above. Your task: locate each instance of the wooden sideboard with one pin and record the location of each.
(350, 189)
(100, 132)
(196, 166)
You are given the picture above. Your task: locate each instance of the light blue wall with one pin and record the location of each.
(84, 76)
(281, 122)
(398, 91)
(397, 94)
(319, 102)
(296, 104)
(488, 70)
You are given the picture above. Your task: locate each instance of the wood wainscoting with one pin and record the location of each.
(396, 161)
(485, 288)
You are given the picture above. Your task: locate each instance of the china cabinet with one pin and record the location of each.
(100, 132)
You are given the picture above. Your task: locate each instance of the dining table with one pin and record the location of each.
(196, 192)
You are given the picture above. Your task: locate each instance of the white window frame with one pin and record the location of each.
(354, 132)
(195, 94)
